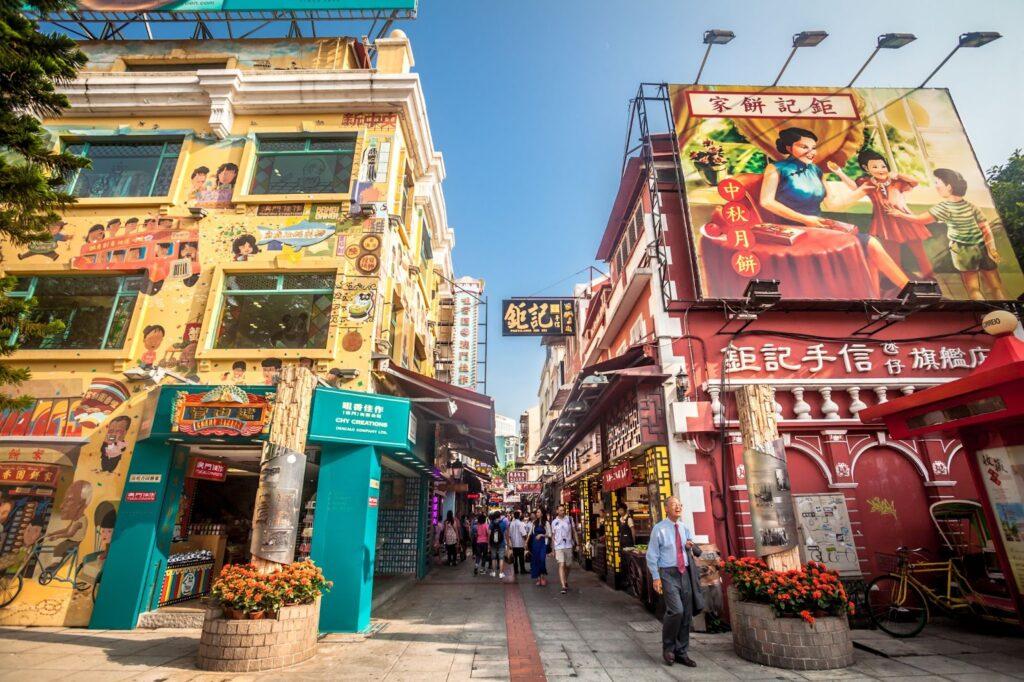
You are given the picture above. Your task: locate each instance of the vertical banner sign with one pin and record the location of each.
(538, 317)
(465, 332)
(276, 519)
(771, 504)
(1002, 469)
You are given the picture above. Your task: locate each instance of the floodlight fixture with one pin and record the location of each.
(801, 39)
(762, 294)
(978, 38)
(717, 36)
(809, 38)
(894, 41)
(973, 39)
(713, 36)
(886, 41)
(917, 293)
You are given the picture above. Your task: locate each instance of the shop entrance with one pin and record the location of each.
(213, 525)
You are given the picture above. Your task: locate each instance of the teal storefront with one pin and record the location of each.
(355, 440)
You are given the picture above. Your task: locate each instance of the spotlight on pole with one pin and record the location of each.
(712, 37)
(802, 39)
(973, 39)
(886, 41)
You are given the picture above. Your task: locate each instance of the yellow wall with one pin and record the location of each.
(74, 431)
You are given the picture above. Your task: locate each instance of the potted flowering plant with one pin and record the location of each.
(709, 160)
(810, 608)
(243, 592)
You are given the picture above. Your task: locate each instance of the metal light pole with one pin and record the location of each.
(713, 37)
(887, 41)
(802, 39)
(974, 39)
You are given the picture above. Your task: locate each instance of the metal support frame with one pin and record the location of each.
(640, 124)
(86, 24)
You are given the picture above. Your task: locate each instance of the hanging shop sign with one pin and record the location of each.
(771, 503)
(517, 476)
(529, 488)
(473, 496)
(619, 476)
(221, 411)
(1002, 470)
(538, 317)
(207, 469)
(360, 418)
(834, 157)
(495, 498)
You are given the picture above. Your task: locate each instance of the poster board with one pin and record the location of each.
(825, 532)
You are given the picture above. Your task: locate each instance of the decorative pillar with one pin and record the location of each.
(856, 404)
(829, 409)
(658, 474)
(801, 409)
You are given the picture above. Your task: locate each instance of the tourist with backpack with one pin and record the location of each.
(482, 554)
(450, 535)
(496, 543)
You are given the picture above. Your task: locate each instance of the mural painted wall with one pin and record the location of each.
(838, 193)
(228, 273)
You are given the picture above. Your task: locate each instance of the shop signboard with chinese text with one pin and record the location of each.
(466, 332)
(619, 476)
(528, 488)
(517, 476)
(772, 515)
(207, 469)
(359, 418)
(781, 358)
(538, 317)
(582, 458)
(1002, 470)
(221, 411)
(837, 193)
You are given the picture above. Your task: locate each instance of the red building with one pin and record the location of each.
(651, 330)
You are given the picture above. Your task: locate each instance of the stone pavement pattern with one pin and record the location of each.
(456, 626)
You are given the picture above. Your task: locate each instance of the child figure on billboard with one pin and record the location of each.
(886, 189)
(971, 243)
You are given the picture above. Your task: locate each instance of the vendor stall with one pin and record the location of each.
(985, 410)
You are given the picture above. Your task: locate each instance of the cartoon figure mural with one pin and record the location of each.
(115, 444)
(218, 193)
(846, 194)
(244, 246)
(161, 250)
(152, 337)
(271, 368)
(47, 248)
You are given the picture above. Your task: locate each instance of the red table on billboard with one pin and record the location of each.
(985, 410)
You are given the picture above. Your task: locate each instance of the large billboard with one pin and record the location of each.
(244, 5)
(844, 193)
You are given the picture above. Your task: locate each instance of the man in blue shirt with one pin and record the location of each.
(670, 555)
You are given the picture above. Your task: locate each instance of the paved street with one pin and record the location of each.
(456, 626)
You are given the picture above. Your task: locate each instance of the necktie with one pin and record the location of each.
(680, 554)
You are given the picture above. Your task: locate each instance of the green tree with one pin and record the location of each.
(1007, 185)
(32, 173)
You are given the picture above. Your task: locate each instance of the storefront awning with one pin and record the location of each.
(467, 415)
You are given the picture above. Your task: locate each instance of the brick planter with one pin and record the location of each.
(791, 643)
(254, 645)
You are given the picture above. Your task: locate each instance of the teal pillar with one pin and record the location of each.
(345, 534)
(133, 571)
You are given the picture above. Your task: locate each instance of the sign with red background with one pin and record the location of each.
(207, 469)
(619, 476)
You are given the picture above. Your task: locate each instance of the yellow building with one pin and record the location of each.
(250, 205)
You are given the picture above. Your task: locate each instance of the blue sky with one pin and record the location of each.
(528, 102)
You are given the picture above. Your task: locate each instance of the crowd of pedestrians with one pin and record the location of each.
(503, 542)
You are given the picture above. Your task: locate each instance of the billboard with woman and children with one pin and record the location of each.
(837, 193)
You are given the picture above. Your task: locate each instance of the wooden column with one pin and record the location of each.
(289, 425)
(755, 407)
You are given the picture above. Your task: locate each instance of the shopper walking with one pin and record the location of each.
(496, 544)
(465, 540)
(670, 555)
(539, 549)
(450, 534)
(482, 555)
(563, 536)
(518, 532)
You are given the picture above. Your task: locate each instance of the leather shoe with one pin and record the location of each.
(669, 657)
(685, 660)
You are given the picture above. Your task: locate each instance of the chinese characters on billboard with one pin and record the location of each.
(465, 337)
(538, 317)
(838, 194)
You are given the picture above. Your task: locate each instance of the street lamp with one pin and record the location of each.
(801, 39)
(886, 41)
(713, 37)
(973, 39)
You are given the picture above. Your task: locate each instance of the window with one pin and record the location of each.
(279, 311)
(96, 311)
(125, 169)
(631, 234)
(311, 165)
